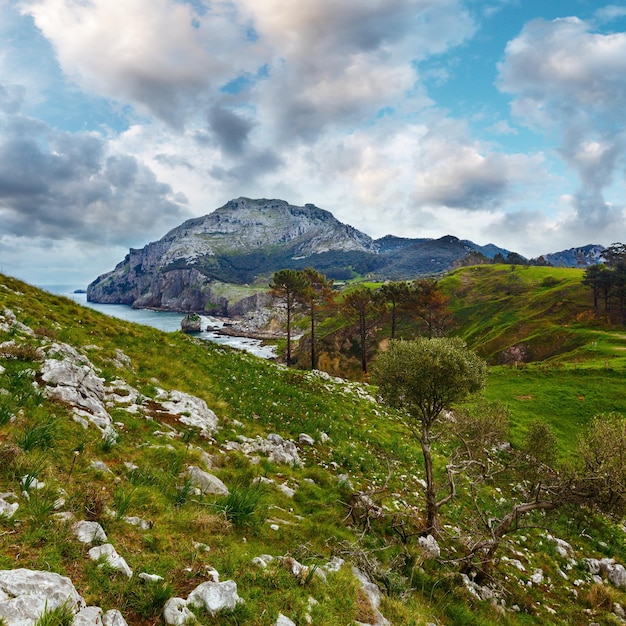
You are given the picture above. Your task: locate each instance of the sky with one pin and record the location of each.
(498, 121)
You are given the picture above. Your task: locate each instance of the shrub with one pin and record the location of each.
(40, 436)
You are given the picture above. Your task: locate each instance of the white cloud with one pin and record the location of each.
(572, 81)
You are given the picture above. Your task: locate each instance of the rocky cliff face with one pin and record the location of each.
(236, 243)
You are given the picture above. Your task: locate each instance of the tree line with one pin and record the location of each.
(608, 280)
(418, 305)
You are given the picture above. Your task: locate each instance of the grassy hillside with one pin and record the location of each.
(545, 310)
(358, 446)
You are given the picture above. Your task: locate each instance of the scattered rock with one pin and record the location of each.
(176, 613)
(151, 578)
(430, 547)
(8, 509)
(191, 411)
(306, 440)
(113, 618)
(207, 483)
(111, 557)
(89, 616)
(215, 596)
(283, 621)
(26, 594)
(89, 532)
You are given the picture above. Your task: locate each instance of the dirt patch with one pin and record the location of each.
(523, 397)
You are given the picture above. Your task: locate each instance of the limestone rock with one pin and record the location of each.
(191, 411)
(215, 596)
(284, 621)
(8, 509)
(25, 594)
(113, 618)
(207, 483)
(176, 613)
(111, 557)
(89, 532)
(373, 594)
(430, 547)
(89, 616)
(305, 440)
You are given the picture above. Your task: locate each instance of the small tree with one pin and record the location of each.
(423, 378)
(289, 286)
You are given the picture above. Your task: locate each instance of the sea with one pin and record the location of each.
(164, 320)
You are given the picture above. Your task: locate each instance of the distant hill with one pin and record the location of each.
(246, 241)
(576, 257)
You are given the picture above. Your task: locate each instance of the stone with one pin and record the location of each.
(306, 440)
(72, 378)
(207, 483)
(176, 613)
(111, 557)
(263, 561)
(25, 594)
(89, 532)
(191, 411)
(150, 578)
(8, 509)
(430, 547)
(537, 577)
(373, 594)
(617, 575)
(113, 618)
(89, 616)
(215, 596)
(138, 521)
(191, 323)
(284, 621)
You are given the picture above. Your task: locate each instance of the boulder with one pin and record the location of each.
(191, 323)
(305, 440)
(191, 411)
(89, 532)
(111, 557)
(373, 594)
(215, 596)
(284, 621)
(207, 483)
(26, 594)
(430, 547)
(113, 618)
(8, 509)
(176, 613)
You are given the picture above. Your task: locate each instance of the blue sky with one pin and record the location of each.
(499, 121)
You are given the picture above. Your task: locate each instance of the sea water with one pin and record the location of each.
(166, 321)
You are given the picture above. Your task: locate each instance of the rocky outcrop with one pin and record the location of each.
(26, 595)
(231, 245)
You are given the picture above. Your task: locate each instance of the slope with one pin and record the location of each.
(289, 501)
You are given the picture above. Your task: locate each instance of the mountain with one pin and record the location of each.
(576, 257)
(215, 263)
(239, 242)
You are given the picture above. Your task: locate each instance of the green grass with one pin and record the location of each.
(252, 397)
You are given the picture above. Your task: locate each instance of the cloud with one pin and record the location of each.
(566, 79)
(56, 185)
(158, 54)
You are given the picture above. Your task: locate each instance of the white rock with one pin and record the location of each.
(8, 510)
(373, 593)
(288, 491)
(207, 483)
(191, 411)
(26, 594)
(137, 521)
(89, 616)
(113, 618)
(89, 532)
(617, 575)
(430, 547)
(176, 613)
(537, 577)
(283, 621)
(305, 440)
(151, 578)
(112, 558)
(214, 596)
(263, 561)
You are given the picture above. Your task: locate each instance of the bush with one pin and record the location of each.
(241, 503)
